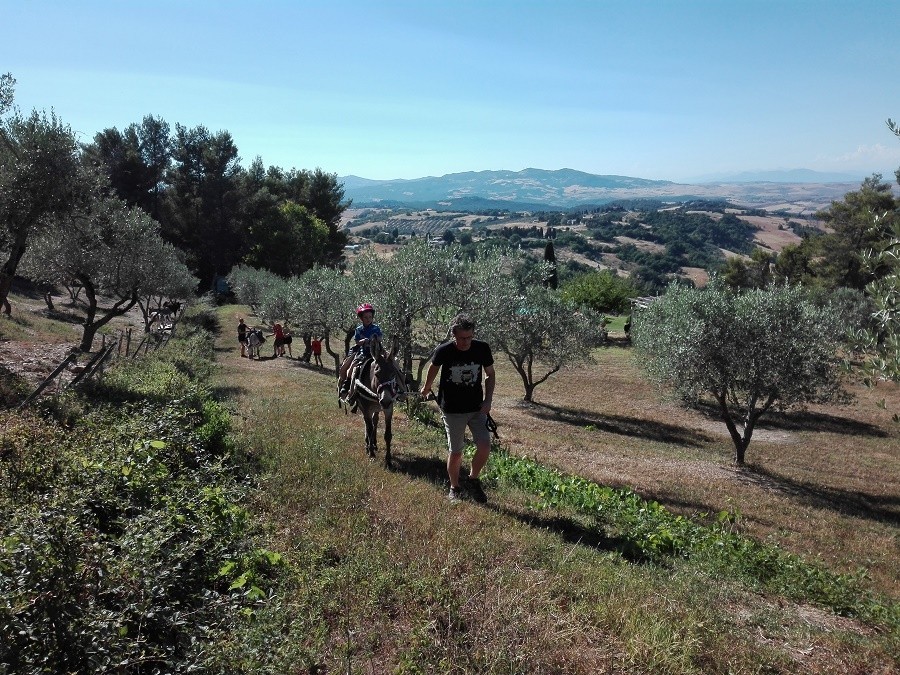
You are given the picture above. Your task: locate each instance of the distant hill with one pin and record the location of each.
(781, 176)
(535, 189)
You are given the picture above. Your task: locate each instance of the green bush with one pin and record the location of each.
(13, 388)
(123, 545)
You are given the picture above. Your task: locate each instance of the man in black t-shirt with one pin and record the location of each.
(465, 364)
(242, 336)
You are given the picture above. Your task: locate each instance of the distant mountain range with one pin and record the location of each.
(781, 176)
(566, 188)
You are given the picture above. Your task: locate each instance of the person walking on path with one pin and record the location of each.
(317, 350)
(465, 365)
(278, 334)
(242, 336)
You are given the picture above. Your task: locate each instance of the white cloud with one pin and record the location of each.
(865, 156)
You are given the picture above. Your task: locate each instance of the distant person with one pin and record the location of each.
(278, 342)
(288, 340)
(317, 351)
(242, 336)
(465, 364)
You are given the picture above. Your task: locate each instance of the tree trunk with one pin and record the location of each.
(332, 354)
(8, 271)
(519, 365)
(529, 393)
(348, 337)
(422, 364)
(740, 444)
(87, 337)
(739, 451)
(406, 344)
(90, 325)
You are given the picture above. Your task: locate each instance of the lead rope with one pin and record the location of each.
(492, 426)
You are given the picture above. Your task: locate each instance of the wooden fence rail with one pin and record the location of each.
(118, 347)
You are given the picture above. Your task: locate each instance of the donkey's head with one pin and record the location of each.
(387, 381)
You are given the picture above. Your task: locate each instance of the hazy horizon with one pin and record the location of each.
(659, 90)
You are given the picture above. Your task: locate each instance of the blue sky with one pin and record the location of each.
(662, 90)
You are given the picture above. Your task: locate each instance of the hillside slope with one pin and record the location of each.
(567, 188)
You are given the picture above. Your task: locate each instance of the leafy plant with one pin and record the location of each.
(647, 531)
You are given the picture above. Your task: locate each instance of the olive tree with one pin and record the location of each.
(543, 333)
(319, 304)
(752, 352)
(171, 279)
(413, 282)
(42, 178)
(115, 252)
(249, 284)
(879, 342)
(274, 304)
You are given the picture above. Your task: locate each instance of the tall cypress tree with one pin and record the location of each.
(552, 279)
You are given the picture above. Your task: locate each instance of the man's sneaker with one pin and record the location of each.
(475, 491)
(455, 495)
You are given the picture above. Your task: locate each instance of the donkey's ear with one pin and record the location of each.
(395, 347)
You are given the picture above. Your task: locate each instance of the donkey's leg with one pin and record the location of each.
(375, 431)
(371, 437)
(388, 415)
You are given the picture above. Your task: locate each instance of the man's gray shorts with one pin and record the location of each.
(455, 424)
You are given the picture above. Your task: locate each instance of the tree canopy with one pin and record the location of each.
(42, 178)
(418, 291)
(749, 352)
(111, 250)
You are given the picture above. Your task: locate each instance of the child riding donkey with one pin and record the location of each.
(358, 353)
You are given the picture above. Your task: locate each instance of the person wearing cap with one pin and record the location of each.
(361, 336)
(466, 365)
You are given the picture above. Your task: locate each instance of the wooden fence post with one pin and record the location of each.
(71, 357)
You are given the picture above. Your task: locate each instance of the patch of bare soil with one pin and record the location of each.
(773, 232)
(34, 339)
(32, 362)
(641, 245)
(698, 275)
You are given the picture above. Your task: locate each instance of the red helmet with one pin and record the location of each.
(365, 307)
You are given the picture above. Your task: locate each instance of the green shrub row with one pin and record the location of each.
(645, 530)
(123, 543)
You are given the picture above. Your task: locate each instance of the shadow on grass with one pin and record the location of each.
(430, 469)
(226, 391)
(885, 508)
(621, 425)
(63, 316)
(573, 532)
(804, 420)
(570, 530)
(26, 288)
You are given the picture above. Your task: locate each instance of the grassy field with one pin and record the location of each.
(391, 578)
(618, 537)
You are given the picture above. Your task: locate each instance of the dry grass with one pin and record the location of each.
(390, 578)
(414, 581)
(822, 483)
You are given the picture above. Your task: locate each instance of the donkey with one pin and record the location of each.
(254, 340)
(379, 383)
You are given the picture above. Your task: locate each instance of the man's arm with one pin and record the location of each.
(490, 380)
(429, 379)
